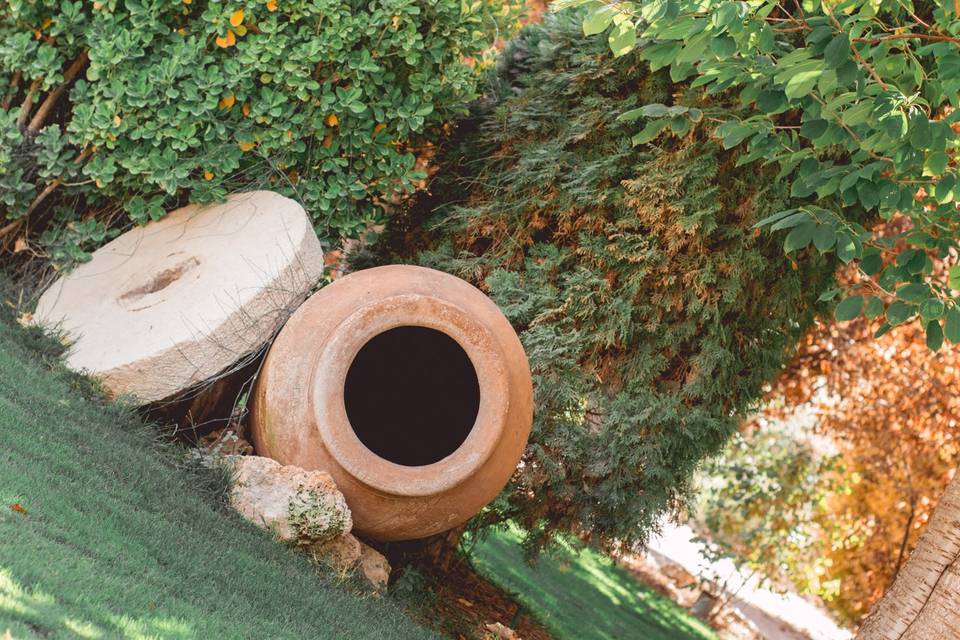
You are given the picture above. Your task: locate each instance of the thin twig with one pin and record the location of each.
(909, 36)
(856, 53)
(906, 536)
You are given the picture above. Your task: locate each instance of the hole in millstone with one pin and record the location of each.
(162, 280)
(412, 395)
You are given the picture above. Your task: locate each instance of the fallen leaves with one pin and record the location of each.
(236, 18)
(18, 508)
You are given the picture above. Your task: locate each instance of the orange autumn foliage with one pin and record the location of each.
(892, 408)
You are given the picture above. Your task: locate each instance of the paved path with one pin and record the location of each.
(778, 616)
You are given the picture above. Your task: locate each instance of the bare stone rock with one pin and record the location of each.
(173, 303)
(300, 507)
(500, 631)
(341, 554)
(374, 567)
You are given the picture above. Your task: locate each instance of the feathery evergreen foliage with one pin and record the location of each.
(651, 310)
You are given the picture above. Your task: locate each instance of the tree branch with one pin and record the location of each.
(27, 103)
(51, 100)
(50, 188)
(14, 85)
(9, 230)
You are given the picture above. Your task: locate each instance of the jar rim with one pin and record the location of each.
(329, 407)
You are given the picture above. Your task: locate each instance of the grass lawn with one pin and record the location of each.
(116, 541)
(583, 594)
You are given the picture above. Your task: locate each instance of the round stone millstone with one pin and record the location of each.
(177, 301)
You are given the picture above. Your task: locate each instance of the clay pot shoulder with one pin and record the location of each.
(409, 387)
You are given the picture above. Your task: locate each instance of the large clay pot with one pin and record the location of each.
(409, 387)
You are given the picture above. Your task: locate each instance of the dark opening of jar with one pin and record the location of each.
(412, 395)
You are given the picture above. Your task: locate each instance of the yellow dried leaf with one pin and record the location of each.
(327, 141)
(332, 120)
(116, 121)
(223, 42)
(187, 1)
(236, 19)
(380, 127)
(246, 109)
(228, 102)
(246, 146)
(208, 176)
(20, 245)
(272, 5)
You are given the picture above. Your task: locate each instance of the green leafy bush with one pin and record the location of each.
(118, 110)
(650, 307)
(857, 101)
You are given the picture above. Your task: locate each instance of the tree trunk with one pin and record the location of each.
(924, 601)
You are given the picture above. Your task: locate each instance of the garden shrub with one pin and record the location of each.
(118, 110)
(651, 309)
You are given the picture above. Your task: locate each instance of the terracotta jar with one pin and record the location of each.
(409, 387)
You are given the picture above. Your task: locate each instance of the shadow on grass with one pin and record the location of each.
(581, 594)
(38, 613)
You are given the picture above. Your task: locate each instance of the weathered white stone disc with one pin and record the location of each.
(170, 304)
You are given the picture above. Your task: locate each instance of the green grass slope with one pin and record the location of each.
(118, 542)
(579, 594)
